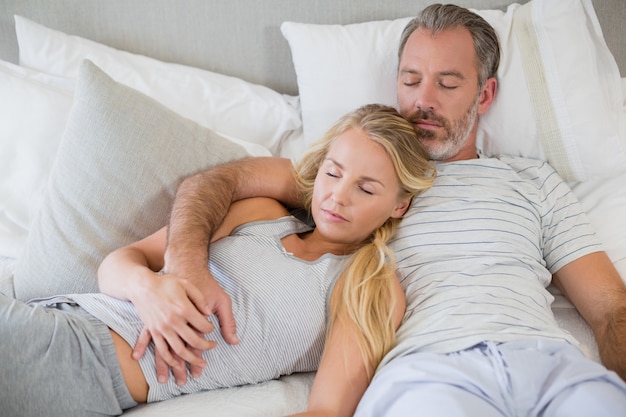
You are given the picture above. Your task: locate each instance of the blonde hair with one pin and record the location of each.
(363, 296)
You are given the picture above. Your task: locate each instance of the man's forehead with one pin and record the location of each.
(449, 51)
(457, 36)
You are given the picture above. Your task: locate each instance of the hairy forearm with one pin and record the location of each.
(200, 205)
(612, 338)
(595, 287)
(202, 202)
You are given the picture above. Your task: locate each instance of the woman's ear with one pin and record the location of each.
(401, 208)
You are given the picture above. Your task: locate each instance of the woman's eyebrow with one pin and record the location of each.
(363, 178)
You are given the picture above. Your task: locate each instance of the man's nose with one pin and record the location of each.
(426, 98)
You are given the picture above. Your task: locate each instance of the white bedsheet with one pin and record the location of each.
(270, 399)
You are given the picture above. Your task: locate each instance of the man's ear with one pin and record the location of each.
(487, 95)
(400, 208)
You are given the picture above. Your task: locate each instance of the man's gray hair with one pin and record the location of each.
(439, 17)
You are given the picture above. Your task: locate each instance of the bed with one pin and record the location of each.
(78, 177)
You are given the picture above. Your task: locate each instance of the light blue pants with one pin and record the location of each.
(57, 362)
(528, 378)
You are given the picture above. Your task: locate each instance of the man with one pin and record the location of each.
(476, 253)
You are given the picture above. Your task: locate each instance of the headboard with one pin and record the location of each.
(208, 33)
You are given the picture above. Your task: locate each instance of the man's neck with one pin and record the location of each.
(464, 155)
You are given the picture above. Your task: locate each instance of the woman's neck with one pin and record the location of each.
(311, 246)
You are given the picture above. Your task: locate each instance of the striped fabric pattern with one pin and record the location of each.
(477, 251)
(279, 303)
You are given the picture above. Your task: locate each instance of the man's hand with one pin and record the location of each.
(177, 323)
(216, 301)
(201, 204)
(178, 367)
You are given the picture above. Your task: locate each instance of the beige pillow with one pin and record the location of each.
(120, 161)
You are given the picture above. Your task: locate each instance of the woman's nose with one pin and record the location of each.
(340, 194)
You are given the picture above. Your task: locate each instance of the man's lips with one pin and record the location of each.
(427, 124)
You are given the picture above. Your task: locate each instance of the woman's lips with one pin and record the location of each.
(333, 216)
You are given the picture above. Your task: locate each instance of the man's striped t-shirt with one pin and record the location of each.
(477, 251)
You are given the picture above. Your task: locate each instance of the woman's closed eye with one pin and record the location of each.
(366, 190)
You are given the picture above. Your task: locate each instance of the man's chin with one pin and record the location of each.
(436, 151)
(431, 145)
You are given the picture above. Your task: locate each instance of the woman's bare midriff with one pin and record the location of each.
(131, 371)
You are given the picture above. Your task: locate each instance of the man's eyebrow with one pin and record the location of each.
(452, 73)
(409, 71)
(446, 73)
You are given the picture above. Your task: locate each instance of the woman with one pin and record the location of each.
(279, 273)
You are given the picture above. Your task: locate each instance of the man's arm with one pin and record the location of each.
(595, 288)
(200, 206)
(202, 201)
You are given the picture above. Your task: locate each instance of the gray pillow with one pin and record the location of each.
(120, 161)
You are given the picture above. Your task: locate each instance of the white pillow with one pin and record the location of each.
(579, 119)
(119, 163)
(227, 105)
(341, 67)
(604, 200)
(34, 109)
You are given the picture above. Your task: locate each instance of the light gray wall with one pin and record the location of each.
(235, 37)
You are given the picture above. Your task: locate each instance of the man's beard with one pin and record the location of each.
(455, 135)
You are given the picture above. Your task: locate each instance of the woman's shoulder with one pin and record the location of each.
(257, 209)
(250, 210)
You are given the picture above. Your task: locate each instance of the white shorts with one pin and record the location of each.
(525, 378)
